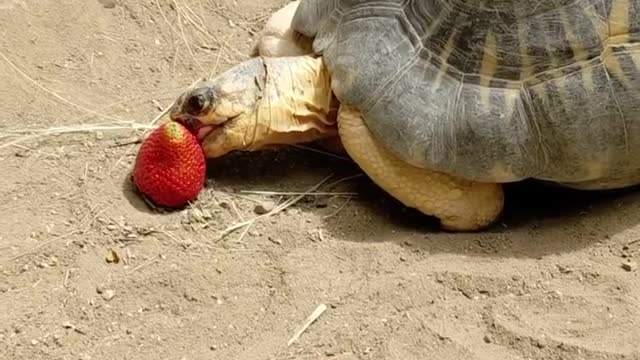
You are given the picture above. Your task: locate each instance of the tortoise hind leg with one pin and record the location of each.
(461, 205)
(277, 39)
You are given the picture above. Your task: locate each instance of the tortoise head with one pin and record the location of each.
(259, 104)
(221, 111)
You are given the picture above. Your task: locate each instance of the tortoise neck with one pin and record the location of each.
(297, 103)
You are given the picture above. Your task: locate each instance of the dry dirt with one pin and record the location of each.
(88, 272)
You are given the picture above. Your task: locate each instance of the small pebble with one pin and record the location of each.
(189, 297)
(67, 325)
(109, 4)
(145, 230)
(541, 344)
(487, 338)
(112, 257)
(57, 339)
(275, 240)
(630, 266)
(22, 153)
(294, 212)
(264, 207)
(108, 294)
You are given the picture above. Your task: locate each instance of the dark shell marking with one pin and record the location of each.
(492, 90)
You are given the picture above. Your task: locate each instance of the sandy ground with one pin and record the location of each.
(88, 272)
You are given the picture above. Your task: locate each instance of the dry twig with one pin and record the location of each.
(146, 263)
(36, 133)
(276, 210)
(63, 236)
(338, 210)
(282, 193)
(316, 150)
(150, 126)
(52, 93)
(307, 322)
(184, 37)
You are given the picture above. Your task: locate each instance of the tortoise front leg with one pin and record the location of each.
(461, 205)
(277, 38)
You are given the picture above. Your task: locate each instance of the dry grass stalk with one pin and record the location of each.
(151, 126)
(63, 236)
(145, 264)
(307, 322)
(198, 23)
(312, 149)
(60, 130)
(184, 37)
(274, 211)
(338, 209)
(282, 193)
(334, 183)
(52, 93)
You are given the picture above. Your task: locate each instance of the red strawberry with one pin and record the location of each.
(170, 167)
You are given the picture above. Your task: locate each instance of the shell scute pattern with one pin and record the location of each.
(634, 30)
(491, 90)
(385, 30)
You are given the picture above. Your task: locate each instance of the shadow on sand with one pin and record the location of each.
(538, 219)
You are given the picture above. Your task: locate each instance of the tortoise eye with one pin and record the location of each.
(195, 104)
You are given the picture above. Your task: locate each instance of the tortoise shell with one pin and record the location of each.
(491, 90)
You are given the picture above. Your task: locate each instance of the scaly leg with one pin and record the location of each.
(277, 39)
(461, 205)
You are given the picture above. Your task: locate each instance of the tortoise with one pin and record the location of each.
(440, 102)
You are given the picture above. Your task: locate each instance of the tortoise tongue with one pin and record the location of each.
(202, 132)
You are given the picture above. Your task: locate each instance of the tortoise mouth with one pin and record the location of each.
(203, 131)
(195, 126)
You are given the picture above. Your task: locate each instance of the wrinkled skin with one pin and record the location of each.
(260, 104)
